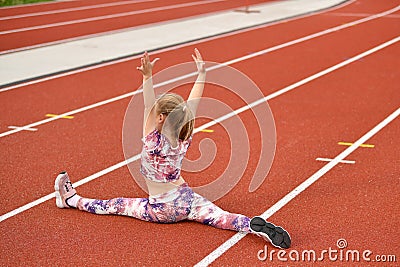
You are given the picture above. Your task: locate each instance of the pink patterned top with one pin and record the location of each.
(160, 161)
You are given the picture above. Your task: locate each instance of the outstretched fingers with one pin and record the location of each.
(146, 66)
(198, 60)
(154, 61)
(198, 55)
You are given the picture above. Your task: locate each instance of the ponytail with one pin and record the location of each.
(188, 123)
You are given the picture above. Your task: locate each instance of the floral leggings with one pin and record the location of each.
(176, 205)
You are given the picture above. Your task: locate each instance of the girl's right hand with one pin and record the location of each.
(146, 67)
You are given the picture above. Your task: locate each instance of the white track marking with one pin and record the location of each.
(303, 186)
(216, 121)
(80, 182)
(342, 161)
(259, 53)
(98, 104)
(57, 11)
(23, 128)
(158, 51)
(361, 15)
(118, 15)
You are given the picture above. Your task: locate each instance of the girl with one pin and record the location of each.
(167, 131)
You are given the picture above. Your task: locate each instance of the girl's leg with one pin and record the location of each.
(168, 207)
(66, 197)
(138, 208)
(204, 211)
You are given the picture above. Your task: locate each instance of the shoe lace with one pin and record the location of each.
(68, 186)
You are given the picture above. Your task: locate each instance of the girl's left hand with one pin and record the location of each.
(199, 61)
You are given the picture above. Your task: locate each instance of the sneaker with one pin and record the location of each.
(64, 190)
(274, 234)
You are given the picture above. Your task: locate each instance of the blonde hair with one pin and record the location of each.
(179, 115)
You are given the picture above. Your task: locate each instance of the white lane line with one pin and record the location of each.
(295, 192)
(360, 15)
(79, 183)
(22, 128)
(98, 104)
(259, 53)
(214, 122)
(118, 15)
(341, 161)
(57, 11)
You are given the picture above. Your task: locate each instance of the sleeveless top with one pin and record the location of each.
(160, 162)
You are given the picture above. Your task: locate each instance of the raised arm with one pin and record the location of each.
(197, 90)
(149, 98)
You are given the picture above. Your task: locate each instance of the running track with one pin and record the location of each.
(31, 26)
(357, 202)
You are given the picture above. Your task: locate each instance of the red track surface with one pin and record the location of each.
(356, 202)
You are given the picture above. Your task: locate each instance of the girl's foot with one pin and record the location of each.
(66, 196)
(274, 234)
